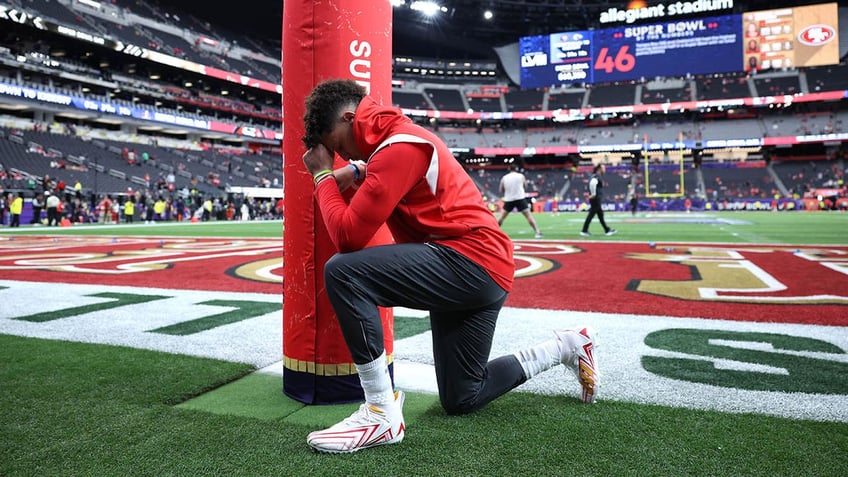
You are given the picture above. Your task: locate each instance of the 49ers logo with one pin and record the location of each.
(535, 258)
(816, 35)
(733, 275)
(777, 283)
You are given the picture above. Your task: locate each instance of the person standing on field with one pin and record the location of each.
(450, 257)
(512, 188)
(16, 207)
(596, 186)
(37, 205)
(53, 215)
(129, 209)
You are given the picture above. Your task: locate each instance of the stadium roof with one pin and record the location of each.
(459, 30)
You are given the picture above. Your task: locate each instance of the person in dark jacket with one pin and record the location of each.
(596, 186)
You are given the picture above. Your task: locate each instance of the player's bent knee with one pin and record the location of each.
(459, 407)
(336, 269)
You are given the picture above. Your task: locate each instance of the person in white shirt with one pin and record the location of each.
(515, 197)
(53, 215)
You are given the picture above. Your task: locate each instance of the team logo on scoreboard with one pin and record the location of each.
(816, 35)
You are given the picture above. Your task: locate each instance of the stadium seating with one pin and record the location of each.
(612, 95)
(410, 100)
(488, 104)
(435, 85)
(827, 78)
(730, 129)
(525, 100)
(466, 137)
(777, 85)
(540, 137)
(802, 176)
(730, 181)
(726, 86)
(566, 100)
(664, 91)
(447, 99)
(39, 153)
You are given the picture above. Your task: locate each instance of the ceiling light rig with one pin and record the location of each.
(427, 7)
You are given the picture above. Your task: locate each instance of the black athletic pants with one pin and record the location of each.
(463, 302)
(53, 217)
(595, 209)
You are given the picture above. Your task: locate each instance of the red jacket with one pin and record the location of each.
(415, 185)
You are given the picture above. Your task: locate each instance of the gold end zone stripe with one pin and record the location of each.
(321, 369)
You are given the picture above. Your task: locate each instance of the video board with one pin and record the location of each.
(780, 38)
(791, 37)
(556, 59)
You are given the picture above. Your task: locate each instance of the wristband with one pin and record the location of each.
(322, 173)
(321, 178)
(355, 171)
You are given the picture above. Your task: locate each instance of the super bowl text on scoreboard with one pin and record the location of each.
(762, 40)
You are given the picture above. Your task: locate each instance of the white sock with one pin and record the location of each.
(539, 358)
(376, 382)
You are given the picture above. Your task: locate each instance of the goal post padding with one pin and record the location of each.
(349, 39)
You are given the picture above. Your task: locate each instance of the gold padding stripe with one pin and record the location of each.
(323, 369)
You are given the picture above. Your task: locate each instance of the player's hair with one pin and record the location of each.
(323, 105)
(597, 168)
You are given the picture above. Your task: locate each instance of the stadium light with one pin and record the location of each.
(488, 15)
(427, 7)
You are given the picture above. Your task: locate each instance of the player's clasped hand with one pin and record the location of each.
(317, 159)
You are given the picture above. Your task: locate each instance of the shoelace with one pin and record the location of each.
(364, 415)
(574, 363)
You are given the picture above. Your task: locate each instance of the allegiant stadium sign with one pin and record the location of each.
(662, 10)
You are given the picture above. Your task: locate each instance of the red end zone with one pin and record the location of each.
(797, 284)
(789, 284)
(237, 265)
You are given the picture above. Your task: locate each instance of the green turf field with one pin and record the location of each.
(732, 227)
(80, 409)
(84, 409)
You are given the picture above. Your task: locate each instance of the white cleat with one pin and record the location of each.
(578, 355)
(369, 426)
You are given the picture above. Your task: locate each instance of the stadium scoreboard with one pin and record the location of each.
(760, 40)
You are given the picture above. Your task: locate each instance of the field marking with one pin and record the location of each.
(258, 341)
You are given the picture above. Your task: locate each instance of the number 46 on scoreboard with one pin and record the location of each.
(623, 61)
